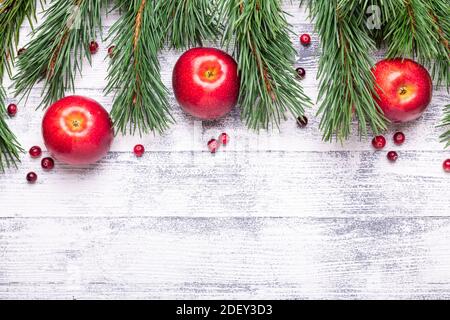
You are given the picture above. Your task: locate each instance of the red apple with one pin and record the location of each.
(77, 130)
(404, 88)
(206, 83)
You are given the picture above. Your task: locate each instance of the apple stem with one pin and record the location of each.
(403, 91)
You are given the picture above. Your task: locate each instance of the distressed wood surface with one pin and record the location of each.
(276, 258)
(274, 215)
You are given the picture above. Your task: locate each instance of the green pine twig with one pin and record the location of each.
(421, 30)
(55, 54)
(9, 146)
(265, 56)
(140, 103)
(346, 82)
(440, 67)
(12, 15)
(187, 23)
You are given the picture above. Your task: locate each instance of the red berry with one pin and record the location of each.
(379, 142)
(302, 121)
(446, 165)
(35, 152)
(47, 163)
(93, 47)
(399, 138)
(301, 72)
(32, 177)
(139, 150)
(213, 145)
(305, 39)
(21, 51)
(224, 139)
(12, 110)
(111, 51)
(392, 156)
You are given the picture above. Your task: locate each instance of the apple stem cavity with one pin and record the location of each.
(403, 91)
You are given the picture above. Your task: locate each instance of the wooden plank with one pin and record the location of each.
(243, 258)
(316, 184)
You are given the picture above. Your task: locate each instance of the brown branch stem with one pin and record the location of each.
(260, 64)
(61, 43)
(137, 32)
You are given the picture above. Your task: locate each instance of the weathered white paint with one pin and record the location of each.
(386, 257)
(274, 215)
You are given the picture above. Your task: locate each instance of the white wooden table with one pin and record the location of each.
(274, 215)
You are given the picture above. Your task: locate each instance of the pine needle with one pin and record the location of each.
(347, 85)
(56, 52)
(12, 14)
(187, 23)
(265, 56)
(140, 103)
(421, 30)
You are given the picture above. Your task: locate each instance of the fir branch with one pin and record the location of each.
(12, 14)
(421, 30)
(346, 81)
(409, 31)
(187, 23)
(9, 146)
(140, 103)
(440, 67)
(445, 137)
(265, 56)
(385, 10)
(56, 52)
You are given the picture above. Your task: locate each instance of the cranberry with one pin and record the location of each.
(93, 47)
(301, 72)
(224, 139)
(446, 165)
(47, 163)
(399, 138)
(213, 145)
(302, 121)
(111, 51)
(392, 156)
(305, 39)
(32, 177)
(139, 150)
(35, 152)
(379, 142)
(12, 110)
